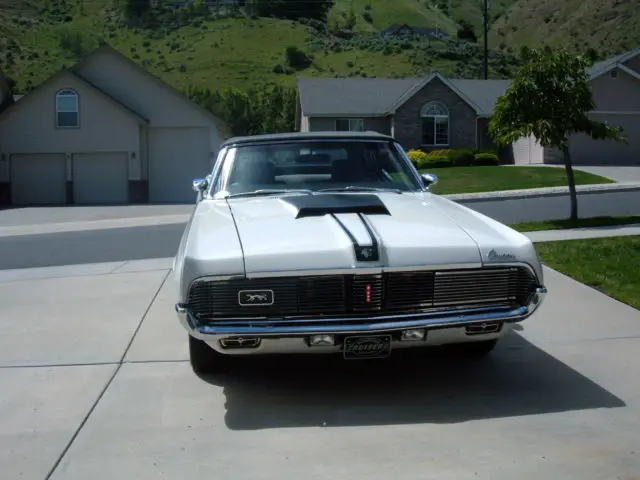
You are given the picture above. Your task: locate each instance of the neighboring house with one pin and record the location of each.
(404, 29)
(105, 131)
(430, 113)
(437, 112)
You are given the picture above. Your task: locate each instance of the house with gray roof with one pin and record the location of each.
(436, 112)
(431, 113)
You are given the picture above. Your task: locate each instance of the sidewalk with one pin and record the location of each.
(546, 191)
(584, 233)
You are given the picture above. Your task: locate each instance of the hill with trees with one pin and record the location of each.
(258, 48)
(240, 45)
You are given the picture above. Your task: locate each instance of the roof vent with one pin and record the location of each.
(614, 73)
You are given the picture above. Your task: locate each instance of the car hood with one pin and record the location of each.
(416, 229)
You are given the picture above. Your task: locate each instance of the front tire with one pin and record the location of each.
(203, 358)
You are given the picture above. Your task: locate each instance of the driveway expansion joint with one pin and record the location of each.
(109, 381)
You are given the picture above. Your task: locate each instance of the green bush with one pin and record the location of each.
(434, 161)
(416, 157)
(297, 58)
(486, 159)
(461, 157)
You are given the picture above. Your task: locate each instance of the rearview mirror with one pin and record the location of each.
(200, 184)
(429, 179)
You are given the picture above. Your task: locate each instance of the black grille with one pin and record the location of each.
(388, 293)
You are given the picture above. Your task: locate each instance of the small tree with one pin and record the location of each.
(550, 98)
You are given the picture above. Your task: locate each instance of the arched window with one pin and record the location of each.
(67, 113)
(435, 125)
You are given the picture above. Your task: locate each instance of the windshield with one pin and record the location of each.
(314, 166)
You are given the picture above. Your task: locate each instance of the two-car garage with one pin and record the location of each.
(167, 161)
(95, 178)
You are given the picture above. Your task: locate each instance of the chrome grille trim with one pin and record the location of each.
(335, 296)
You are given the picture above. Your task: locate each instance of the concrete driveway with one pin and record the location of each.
(630, 174)
(94, 384)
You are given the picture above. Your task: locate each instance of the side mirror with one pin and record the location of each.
(429, 179)
(199, 185)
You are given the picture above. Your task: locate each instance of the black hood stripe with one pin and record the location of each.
(364, 253)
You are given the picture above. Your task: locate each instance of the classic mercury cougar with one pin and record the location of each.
(331, 242)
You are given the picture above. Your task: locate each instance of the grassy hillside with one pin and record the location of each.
(220, 53)
(384, 13)
(609, 26)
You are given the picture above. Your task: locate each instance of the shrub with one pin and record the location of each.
(416, 157)
(461, 157)
(486, 159)
(297, 59)
(439, 153)
(434, 161)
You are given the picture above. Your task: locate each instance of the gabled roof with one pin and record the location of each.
(351, 96)
(377, 97)
(65, 72)
(605, 66)
(105, 47)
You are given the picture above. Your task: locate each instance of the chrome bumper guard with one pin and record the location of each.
(274, 327)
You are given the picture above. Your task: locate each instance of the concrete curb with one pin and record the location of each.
(544, 192)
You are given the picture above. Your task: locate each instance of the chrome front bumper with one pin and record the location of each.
(295, 332)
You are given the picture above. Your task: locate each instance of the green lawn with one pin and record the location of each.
(488, 179)
(609, 264)
(581, 223)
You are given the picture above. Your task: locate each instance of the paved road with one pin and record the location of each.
(162, 240)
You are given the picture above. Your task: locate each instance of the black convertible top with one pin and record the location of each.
(293, 136)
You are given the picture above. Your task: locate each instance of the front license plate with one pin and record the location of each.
(378, 346)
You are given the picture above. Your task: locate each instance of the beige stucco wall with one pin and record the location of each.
(146, 95)
(141, 92)
(30, 125)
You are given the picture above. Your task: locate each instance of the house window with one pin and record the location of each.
(349, 125)
(435, 125)
(67, 115)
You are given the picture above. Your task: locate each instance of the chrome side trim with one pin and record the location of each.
(274, 327)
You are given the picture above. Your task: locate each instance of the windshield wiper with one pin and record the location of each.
(354, 188)
(257, 193)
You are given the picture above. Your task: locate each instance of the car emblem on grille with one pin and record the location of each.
(255, 298)
(493, 255)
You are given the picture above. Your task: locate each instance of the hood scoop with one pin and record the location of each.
(327, 204)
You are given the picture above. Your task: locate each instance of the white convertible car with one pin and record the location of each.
(331, 242)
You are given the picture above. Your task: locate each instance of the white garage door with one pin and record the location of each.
(527, 150)
(38, 179)
(585, 151)
(100, 178)
(176, 157)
